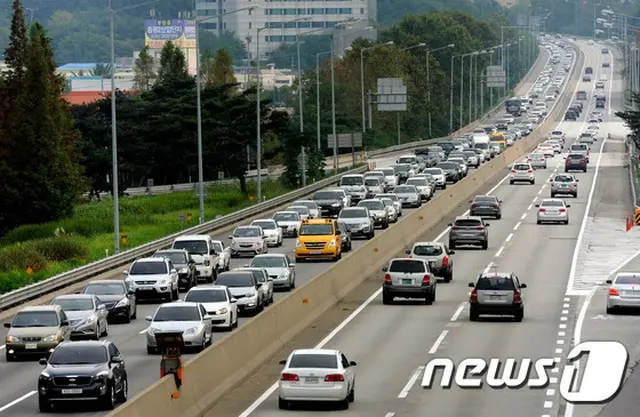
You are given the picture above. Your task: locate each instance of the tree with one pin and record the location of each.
(144, 70)
(223, 69)
(227, 40)
(102, 70)
(207, 68)
(16, 54)
(173, 65)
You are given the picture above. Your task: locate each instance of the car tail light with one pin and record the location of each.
(445, 261)
(426, 280)
(542, 210)
(575, 184)
(289, 377)
(455, 228)
(480, 228)
(334, 378)
(562, 210)
(517, 299)
(530, 171)
(613, 291)
(410, 257)
(513, 171)
(583, 161)
(387, 278)
(473, 205)
(474, 296)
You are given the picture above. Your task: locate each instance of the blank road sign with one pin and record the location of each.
(392, 94)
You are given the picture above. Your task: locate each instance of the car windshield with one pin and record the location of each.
(265, 225)
(468, 223)
(628, 279)
(246, 232)
(269, 262)
(406, 265)
(286, 217)
(579, 147)
(148, 268)
(387, 202)
(353, 214)
(521, 167)
(552, 203)
(258, 275)
(427, 250)
(192, 246)
(392, 197)
(405, 190)
(176, 258)
(388, 172)
(351, 181)
(206, 296)
(72, 354)
(575, 156)
(406, 160)
(563, 178)
(537, 156)
(481, 146)
(316, 230)
(311, 360)
(371, 182)
(35, 319)
(74, 304)
(402, 168)
(308, 204)
(105, 289)
(182, 313)
(326, 195)
(235, 279)
(433, 171)
(495, 283)
(372, 205)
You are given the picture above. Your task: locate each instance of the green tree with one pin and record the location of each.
(207, 68)
(15, 56)
(173, 65)
(227, 40)
(144, 70)
(102, 70)
(223, 69)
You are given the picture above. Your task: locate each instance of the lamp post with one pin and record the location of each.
(428, 63)
(502, 52)
(362, 51)
(318, 95)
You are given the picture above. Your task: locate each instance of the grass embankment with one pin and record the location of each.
(56, 247)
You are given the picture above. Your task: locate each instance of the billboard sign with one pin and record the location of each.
(392, 94)
(496, 77)
(345, 140)
(179, 31)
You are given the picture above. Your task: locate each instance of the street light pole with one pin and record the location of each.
(461, 88)
(333, 111)
(318, 96)
(258, 132)
(114, 136)
(302, 152)
(471, 86)
(450, 97)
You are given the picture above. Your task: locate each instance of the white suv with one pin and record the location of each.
(522, 171)
(153, 278)
(203, 252)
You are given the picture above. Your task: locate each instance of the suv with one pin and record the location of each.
(486, 205)
(522, 171)
(36, 331)
(358, 221)
(186, 266)
(575, 162)
(581, 95)
(408, 278)
(248, 240)
(564, 184)
(330, 202)
(581, 148)
(586, 78)
(496, 293)
(437, 255)
(153, 278)
(202, 250)
(319, 239)
(469, 230)
(354, 186)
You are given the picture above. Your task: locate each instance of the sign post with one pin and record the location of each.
(392, 96)
(345, 140)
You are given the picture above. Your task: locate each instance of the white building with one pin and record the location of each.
(274, 15)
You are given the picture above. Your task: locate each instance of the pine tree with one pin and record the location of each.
(207, 68)
(223, 68)
(173, 65)
(144, 70)
(15, 54)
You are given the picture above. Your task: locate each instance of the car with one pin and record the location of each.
(440, 175)
(36, 331)
(353, 184)
(422, 185)
(581, 95)
(191, 319)
(330, 202)
(563, 184)
(342, 195)
(390, 177)
(271, 229)
(319, 239)
(279, 268)
(546, 149)
(411, 160)
(202, 250)
(624, 292)
(570, 115)
(379, 174)
(224, 254)
(184, 263)
(471, 159)
(581, 148)
(575, 162)
(391, 209)
(552, 210)
(314, 210)
(408, 195)
(468, 230)
(437, 255)
(396, 201)
(153, 278)
(537, 160)
(358, 220)
(557, 135)
(83, 371)
(403, 171)
(556, 145)
(317, 375)
(264, 281)
(587, 137)
(408, 278)
(586, 78)
(374, 186)
(378, 212)
(303, 211)
(496, 293)
(486, 206)
(605, 51)
(87, 315)
(600, 84)
(288, 221)
(345, 234)
(606, 64)
(461, 161)
(119, 299)
(245, 288)
(248, 240)
(219, 303)
(522, 171)
(451, 170)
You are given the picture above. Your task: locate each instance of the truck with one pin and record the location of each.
(513, 106)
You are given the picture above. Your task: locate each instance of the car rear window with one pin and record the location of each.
(575, 156)
(427, 250)
(484, 198)
(552, 203)
(563, 178)
(406, 265)
(309, 360)
(468, 222)
(521, 167)
(628, 279)
(496, 283)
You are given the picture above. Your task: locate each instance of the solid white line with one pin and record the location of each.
(459, 311)
(517, 226)
(16, 401)
(488, 268)
(509, 237)
(412, 381)
(438, 342)
(497, 255)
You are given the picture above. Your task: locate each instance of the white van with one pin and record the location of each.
(202, 250)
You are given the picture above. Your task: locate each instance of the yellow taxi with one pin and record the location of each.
(319, 239)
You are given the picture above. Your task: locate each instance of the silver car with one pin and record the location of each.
(553, 210)
(380, 175)
(271, 230)
(422, 184)
(439, 175)
(408, 195)
(279, 268)
(301, 210)
(314, 209)
(358, 221)
(390, 177)
(86, 313)
(266, 282)
(378, 212)
(374, 186)
(353, 184)
(408, 278)
(396, 201)
(462, 162)
(537, 160)
(191, 319)
(437, 254)
(563, 184)
(624, 292)
(496, 294)
(391, 209)
(289, 222)
(248, 240)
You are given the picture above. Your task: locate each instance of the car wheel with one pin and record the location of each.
(538, 222)
(448, 277)
(498, 216)
(473, 315)
(283, 404)
(485, 245)
(566, 222)
(9, 357)
(430, 298)
(43, 404)
(109, 399)
(352, 395)
(105, 331)
(385, 225)
(371, 235)
(176, 293)
(151, 350)
(135, 313)
(533, 182)
(519, 316)
(344, 404)
(610, 310)
(553, 195)
(123, 395)
(511, 182)
(387, 299)
(452, 245)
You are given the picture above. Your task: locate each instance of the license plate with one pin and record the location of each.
(315, 252)
(311, 380)
(31, 346)
(145, 288)
(72, 391)
(494, 297)
(407, 281)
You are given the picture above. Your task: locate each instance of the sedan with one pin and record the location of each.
(396, 201)
(119, 300)
(486, 206)
(408, 195)
(314, 210)
(86, 313)
(271, 230)
(219, 303)
(537, 160)
(624, 292)
(553, 210)
(279, 268)
(358, 221)
(191, 319)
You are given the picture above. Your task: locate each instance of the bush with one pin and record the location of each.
(18, 256)
(28, 232)
(38, 253)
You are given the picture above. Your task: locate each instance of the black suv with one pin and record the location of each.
(570, 115)
(575, 162)
(330, 202)
(451, 171)
(91, 370)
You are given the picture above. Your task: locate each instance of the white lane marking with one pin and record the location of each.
(567, 299)
(555, 371)
(540, 191)
(562, 326)
(488, 268)
(565, 311)
(143, 331)
(509, 237)
(2, 347)
(557, 360)
(529, 207)
(389, 414)
(16, 401)
(497, 255)
(517, 226)
(559, 351)
(551, 392)
(553, 380)
(534, 200)
(563, 318)
(459, 311)
(566, 305)
(548, 404)
(438, 342)
(560, 342)
(562, 334)
(546, 415)
(412, 381)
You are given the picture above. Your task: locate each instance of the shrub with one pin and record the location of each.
(28, 232)
(18, 256)
(61, 248)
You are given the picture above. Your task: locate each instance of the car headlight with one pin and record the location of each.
(164, 282)
(12, 339)
(44, 376)
(363, 225)
(257, 243)
(192, 330)
(336, 204)
(250, 294)
(283, 275)
(51, 338)
(223, 310)
(298, 244)
(101, 375)
(332, 244)
(183, 271)
(153, 330)
(122, 303)
(91, 319)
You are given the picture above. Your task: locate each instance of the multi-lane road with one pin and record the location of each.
(390, 343)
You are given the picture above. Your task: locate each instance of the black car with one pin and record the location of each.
(605, 65)
(570, 115)
(118, 298)
(581, 95)
(486, 206)
(451, 171)
(575, 162)
(83, 371)
(447, 147)
(186, 266)
(330, 202)
(345, 234)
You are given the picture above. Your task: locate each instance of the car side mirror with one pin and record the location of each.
(213, 252)
(131, 292)
(577, 180)
(64, 323)
(383, 269)
(116, 359)
(148, 318)
(102, 307)
(523, 285)
(174, 271)
(284, 362)
(609, 281)
(338, 233)
(292, 265)
(125, 272)
(229, 237)
(450, 224)
(537, 204)
(233, 300)
(207, 317)
(568, 205)
(452, 252)
(43, 361)
(487, 225)
(7, 325)
(353, 363)
(472, 285)
(407, 251)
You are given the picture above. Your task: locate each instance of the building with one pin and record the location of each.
(86, 97)
(274, 15)
(81, 77)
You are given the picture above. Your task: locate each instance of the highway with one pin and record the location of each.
(391, 344)
(18, 397)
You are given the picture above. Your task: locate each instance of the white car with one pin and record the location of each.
(547, 150)
(422, 184)
(201, 249)
(393, 212)
(271, 230)
(317, 375)
(522, 172)
(557, 147)
(302, 211)
(396, 202)
(153, 278)
(314, 209)
(219, 303)
(288, 221)
(264, 280)
(390, 177)
(248, 240)
(508, 118)
(440, 176)
(224, 253)
(245, 288)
